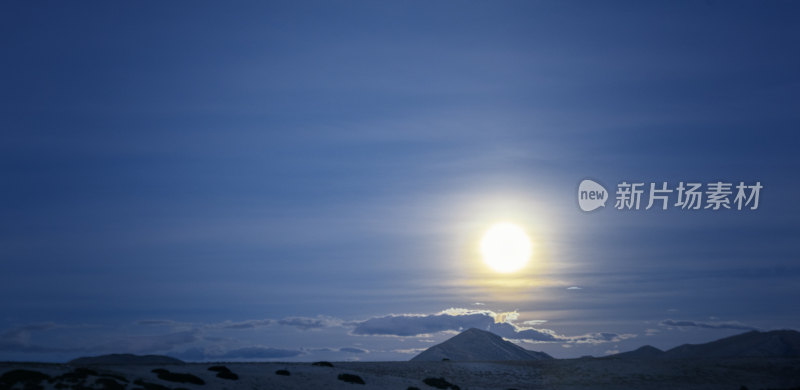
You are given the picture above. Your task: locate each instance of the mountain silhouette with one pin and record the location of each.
(478, 345)
(776, 343)
(646, 352)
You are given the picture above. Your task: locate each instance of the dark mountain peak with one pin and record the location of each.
(478, 345)
(476, 333)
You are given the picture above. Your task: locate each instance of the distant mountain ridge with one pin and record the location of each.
(644, 352)
(478, 345)
(776, 343)
(126, 359)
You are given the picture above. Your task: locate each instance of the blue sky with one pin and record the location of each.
(311, 180)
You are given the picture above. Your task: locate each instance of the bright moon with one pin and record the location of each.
(505, 247)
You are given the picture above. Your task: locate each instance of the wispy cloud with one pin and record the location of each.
(306, 323)
(409, 351)
(231, 340)
(158, 323)
(249, 353)
(343, 349)
(456, 319)
(600, 337)
(19, 340)
(152, 343)
(261, 353)
(708, 325)
(421, 324)
(352, 350)
(534, 322)
(21, 334)
(249, 324)
(301, 323)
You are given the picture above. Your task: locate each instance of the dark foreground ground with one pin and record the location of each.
(728, 374)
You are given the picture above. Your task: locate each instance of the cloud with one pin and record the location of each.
(167, 323)
(409, 351)
(600, 337)
(511, 331)
(343, 349)
(455, 319)
(534, 322)
(249, 353)
(260, 353)
(320, 350)
(352, 350)
(209, 341)
(302, 323)
(152, 343)
(249, 324)
(18, 339)
(32, 348)
(574, 288)
(418, 325)
(21, 335)
(306, 323)
(155, 322)
(708, 325)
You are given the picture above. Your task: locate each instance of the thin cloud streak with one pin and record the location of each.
(708, 325)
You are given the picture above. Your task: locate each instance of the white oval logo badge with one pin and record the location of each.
(591, 195)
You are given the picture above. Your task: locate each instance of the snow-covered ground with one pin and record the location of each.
(728, 374)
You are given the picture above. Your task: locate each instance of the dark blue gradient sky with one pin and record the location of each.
(263, 180)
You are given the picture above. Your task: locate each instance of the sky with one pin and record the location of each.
(304, 181)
